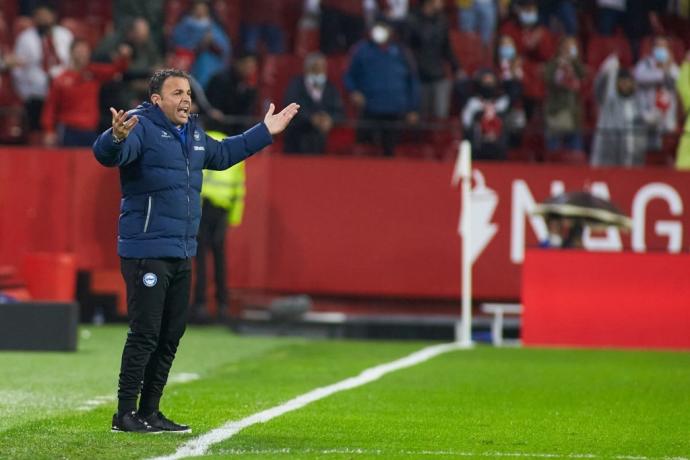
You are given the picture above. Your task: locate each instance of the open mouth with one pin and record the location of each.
(183, 111)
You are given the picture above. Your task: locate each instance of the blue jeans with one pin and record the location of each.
(567, 141)
(271, 34)
(565, 11)
(480, 18)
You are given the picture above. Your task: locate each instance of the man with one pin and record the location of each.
(43, 51)
(429, 41)
(70, 113)
(321, 107)
(161, 151)
(223, 204)
(383, 84)
(234, 92)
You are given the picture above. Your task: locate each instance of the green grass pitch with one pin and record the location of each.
(479, 403)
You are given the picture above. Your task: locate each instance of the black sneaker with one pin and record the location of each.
(162, 423)
(130, 422)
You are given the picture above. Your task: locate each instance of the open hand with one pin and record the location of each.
(278, 122)
(121, 125)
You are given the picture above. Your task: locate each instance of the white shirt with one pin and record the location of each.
(30, 80)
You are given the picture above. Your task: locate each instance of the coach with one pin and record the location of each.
(161, 150)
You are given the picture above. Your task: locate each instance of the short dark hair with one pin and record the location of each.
(159, 77)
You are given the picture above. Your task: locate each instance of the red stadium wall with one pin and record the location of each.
(351, 226)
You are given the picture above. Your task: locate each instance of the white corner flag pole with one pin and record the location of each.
(463, 172)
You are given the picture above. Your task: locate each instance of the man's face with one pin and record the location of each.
(140, 32)
(44, 17)
(318, 67)
(175, 100)
(81, 55)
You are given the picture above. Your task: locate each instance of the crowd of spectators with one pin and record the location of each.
(599, 81)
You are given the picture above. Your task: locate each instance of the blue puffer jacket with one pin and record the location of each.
(386, 77)
(160, 177)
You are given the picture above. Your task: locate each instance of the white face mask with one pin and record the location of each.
(317, 79)
(380, 34)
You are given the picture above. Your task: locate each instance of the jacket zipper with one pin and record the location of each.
(189, 206)
(148, 214)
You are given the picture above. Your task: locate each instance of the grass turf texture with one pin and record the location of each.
(484, 401)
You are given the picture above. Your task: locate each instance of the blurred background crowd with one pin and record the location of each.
(605, 82)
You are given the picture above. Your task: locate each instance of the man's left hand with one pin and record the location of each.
(276, 123)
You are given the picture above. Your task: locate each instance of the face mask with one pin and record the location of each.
(528, 18)
(573, 52)
(316, 79)
(660, 54)
(507, 52)
(380, 34)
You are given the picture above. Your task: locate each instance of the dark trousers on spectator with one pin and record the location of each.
(157, 301)
(339, 31)
(71, 137)
(34, 107)
(212, 229)
(382, 130)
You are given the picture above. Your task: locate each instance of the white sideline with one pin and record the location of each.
(198, 446)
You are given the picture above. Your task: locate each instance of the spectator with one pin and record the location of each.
(198, 33)
(478, 16)
(43, 51)
(638, 19)
(483, 118)
(620, 137)
(383, 84)
(233, 92)
(683, 87)
(429, 42)
(70, 114)
(146, 57)
(125, 11)
(656, 76)
(511, 76)
(563, 111)
(320, 107)
(261, 21)
(343, 23)
(136, 34)
(533, 41)
(565, 12)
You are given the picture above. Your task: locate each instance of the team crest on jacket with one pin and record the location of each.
(197, 136)
(165, 134)
(150, 279)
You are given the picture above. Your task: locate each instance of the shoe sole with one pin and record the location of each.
(115, 430)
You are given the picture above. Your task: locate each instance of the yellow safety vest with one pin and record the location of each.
(226, 189)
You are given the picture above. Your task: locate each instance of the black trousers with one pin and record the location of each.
(211, 237)
(157, 299)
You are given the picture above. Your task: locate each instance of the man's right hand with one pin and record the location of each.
(121, 125)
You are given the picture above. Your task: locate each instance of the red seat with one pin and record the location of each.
(307, 40)
(566, 156)
(340, 140)
(276, 72)
(470, 51)
(229, 14)
(600, 47)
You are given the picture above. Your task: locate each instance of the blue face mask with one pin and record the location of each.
(528, 18)
(506, 52)
(661, 54)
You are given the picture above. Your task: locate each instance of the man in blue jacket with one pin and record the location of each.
(161, 151)
(383, 84)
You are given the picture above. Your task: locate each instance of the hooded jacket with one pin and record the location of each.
(161, 176)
